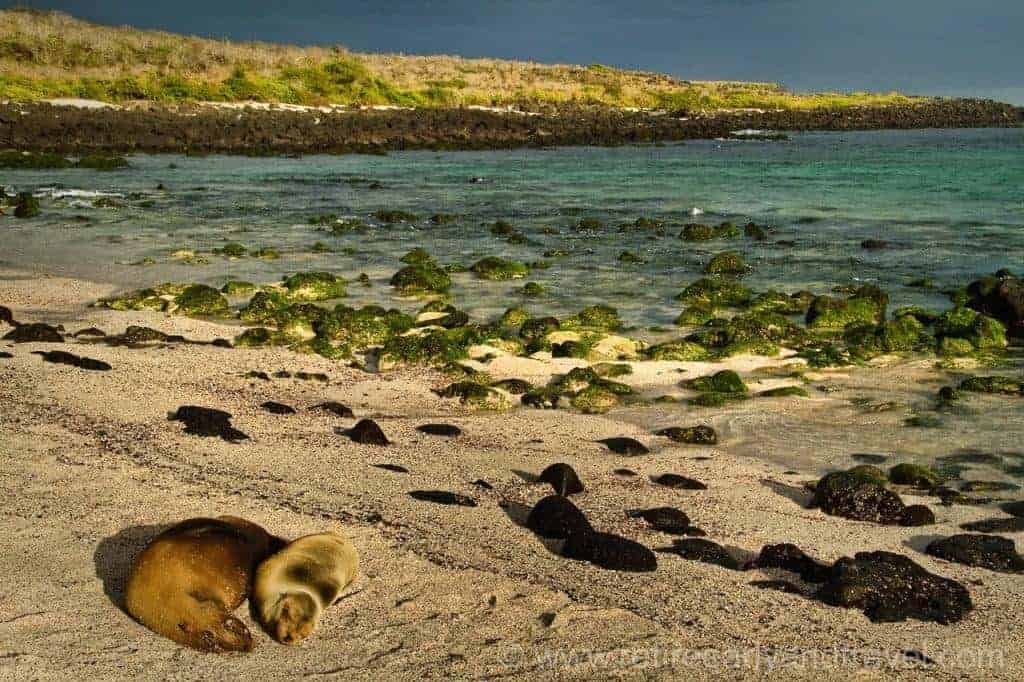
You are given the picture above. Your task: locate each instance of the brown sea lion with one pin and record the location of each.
(187, 581)
(294, 586)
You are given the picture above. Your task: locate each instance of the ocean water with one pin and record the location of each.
(949, 203)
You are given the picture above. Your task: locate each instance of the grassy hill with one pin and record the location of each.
(48, 55)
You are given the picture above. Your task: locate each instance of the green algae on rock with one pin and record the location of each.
(314, 286)
(726, 263)
(499, 269)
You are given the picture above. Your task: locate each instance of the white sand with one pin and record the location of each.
(90, 464)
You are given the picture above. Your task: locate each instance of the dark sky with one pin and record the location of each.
(945, 47)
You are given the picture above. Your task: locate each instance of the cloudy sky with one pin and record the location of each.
(944, 47)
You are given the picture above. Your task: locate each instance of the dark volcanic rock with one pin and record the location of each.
(207, 422)
(859, 496)
(446, 430)
(625, 446)
(609, 551)
(776, 585)
(679, 482)
(4, 354)
(367, 432)
(442, 497)
(562, 478)
(666, 519)
(277, 408)
(874, 244)
(60, 357)
(986, 551)
(1013, 508)
(6, 316)
(35, 332)
(890, 587)
(1007, 524)
(92, 332)
(917, 515)
(556, 517)
(336, 409)
(392, 467)
(693, 435)
(1000, 296)
(699, 549)
(791, 558)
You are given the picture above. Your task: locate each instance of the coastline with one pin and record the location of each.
(457, 591)
(260, 129)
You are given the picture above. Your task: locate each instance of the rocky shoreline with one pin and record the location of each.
(261, 130)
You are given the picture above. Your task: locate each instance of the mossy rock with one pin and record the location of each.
(102, 163)
(532, 290)
(952, 347)
(784, 392)
(915, 475)
(575, 380)
(465, 374)
(982, 331)
(25, 205)
(587, 224)
(314, 286)
(264, 307)
(724, 292)
(232, 250)
(596, 317)
(595, 400)
(514, 386)
(828, 313)
(443, 218)
(777, 302)
(755, 232)
(363, 327)
(514, 317)
(417, 256)
(499, 269)
(695, 315)
(542, 399)
(726, 263)
(825, 355)
(993, 384)
(631, 257)
(259, 337)
(201, 300)
(16, 160)
(678, 351)
(392, 217)
(266, 253)
(238, 288)
(611, 369)
(538, 327)
(435, 347)
(725, 381)
(423, 278)
(698, 232)
(476, 396)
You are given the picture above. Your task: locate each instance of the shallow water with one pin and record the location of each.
(949, 203)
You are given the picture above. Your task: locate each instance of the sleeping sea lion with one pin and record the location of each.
(187, 581)
(294, 586)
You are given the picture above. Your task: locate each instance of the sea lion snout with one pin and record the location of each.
(296, 618)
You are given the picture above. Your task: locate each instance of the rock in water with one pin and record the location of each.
(791, 558)
(367, 432)
(679, 482)
(336, 409)
(611, 552)
(446, 430)
(890, 588)
(625, 446)
(698, 549)
(207, 422)
(692, 435)
(556, 517)
(277, 408)
(442, 497)
(986, 551)
(562, 478)
(36, 332)
(60, 357)
(666, 520)
(1000, 296)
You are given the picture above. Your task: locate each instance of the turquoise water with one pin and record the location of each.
(950, 204)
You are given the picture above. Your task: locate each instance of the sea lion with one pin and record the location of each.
(294, 586)
(187, 581)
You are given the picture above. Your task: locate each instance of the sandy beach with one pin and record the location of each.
(92, 468)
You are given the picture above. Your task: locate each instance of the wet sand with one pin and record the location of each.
(92, 468)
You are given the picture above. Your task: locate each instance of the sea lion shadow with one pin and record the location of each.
(798, 495)
(114, 556)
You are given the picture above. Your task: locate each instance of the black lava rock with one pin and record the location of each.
(692, 435)
(367, 432)
(392, 467)
(699, 549)
(36, 332)
(917, 515)
(556, 517)
(446, 430)
(986, 551)
(277, 408)
(336, 409)
(625, 446)
(858, 496)
(609, 551)
(890, 587)
(679, 482)
(791, 558)
(1008, 524)
(207, 422)
(60, 357)
(443, 497)
(562, 478)
(665, 519)
(6, 316)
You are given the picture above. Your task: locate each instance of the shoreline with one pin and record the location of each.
(260, 129)
(461, 591)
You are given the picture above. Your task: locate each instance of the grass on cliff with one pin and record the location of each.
(47, 55)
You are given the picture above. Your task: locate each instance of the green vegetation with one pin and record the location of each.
(47, 55)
